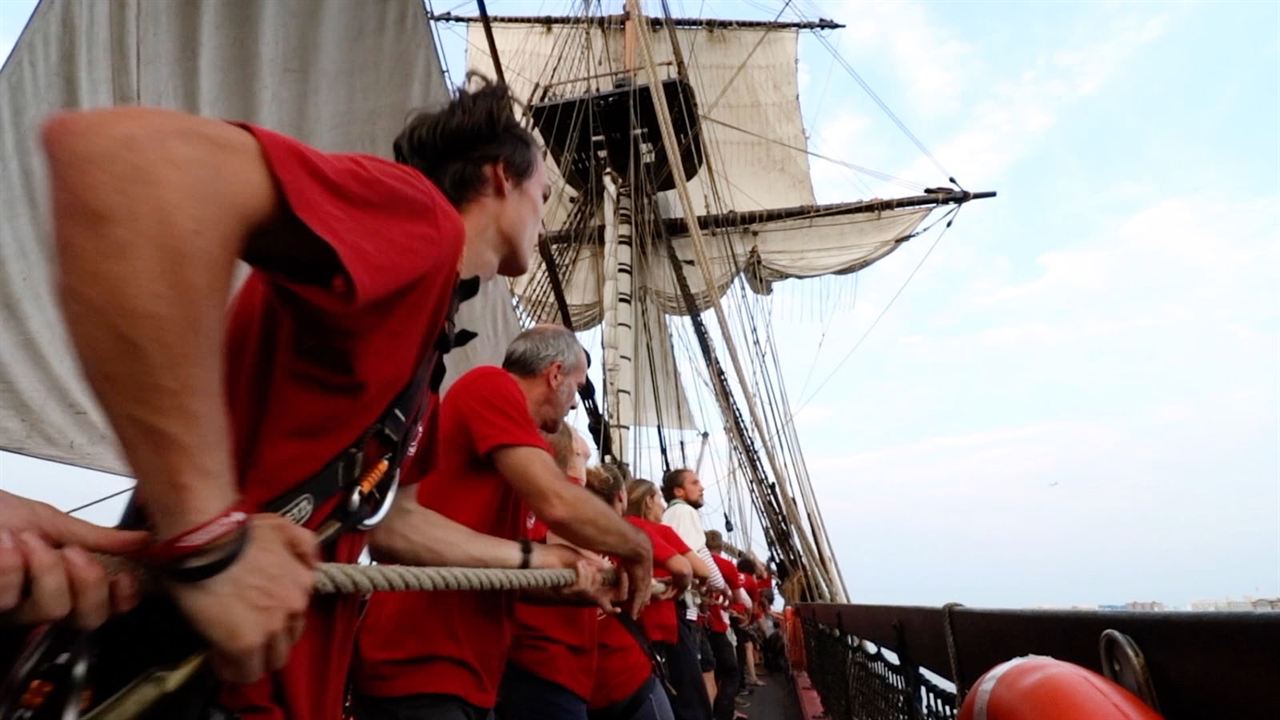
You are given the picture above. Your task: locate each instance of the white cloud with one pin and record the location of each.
(931, 64)
(1006, 123)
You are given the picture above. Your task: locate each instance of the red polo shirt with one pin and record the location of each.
(622, 666)
(719, 617)
(659, 619)
(455, 643)
(753, 592)
(311, 366)
(555, 642)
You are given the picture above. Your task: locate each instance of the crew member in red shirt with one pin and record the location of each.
(745, 627)
(661, 618)
(354, 261)
(441, 655)
(626, 686)
(718, 624)
(552, 659)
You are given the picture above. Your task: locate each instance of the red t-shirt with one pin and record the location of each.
(719, 617)
(555, 642)
(753, 592)
(622, 666)
(310, 367)
(659, 619)
(455, 643)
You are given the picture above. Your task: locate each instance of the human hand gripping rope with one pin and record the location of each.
(226, 533)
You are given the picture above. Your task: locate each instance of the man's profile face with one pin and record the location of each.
(521, 212)
(691, 489)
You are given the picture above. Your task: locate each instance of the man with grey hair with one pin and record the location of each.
(492, 465)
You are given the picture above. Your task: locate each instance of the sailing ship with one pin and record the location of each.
(682, 196)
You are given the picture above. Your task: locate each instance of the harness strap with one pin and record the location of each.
(659, 666)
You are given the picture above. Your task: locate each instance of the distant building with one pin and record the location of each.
(1245, 604)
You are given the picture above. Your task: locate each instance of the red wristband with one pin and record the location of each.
(197, 539)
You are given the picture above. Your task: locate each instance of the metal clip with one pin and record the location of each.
(384, 507)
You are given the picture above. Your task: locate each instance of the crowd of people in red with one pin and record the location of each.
(323, 378)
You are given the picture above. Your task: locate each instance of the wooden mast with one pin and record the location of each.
(619, 313)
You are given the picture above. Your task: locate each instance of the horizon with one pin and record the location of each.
(1075, 399)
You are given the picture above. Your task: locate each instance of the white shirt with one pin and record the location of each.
(684, 519)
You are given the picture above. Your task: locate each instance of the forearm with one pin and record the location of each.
(681, 572)
(145, 258)
(589, 523)
(414, 535)
(699, 567)
(571, 512)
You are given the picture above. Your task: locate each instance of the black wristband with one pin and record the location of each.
(526, 553)
(204, 569)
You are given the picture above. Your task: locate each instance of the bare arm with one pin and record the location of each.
(572, 512)
(151, 210)
(576, 515)
(700, 570)
(681, 572)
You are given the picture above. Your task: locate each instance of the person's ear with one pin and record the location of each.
(499, 181)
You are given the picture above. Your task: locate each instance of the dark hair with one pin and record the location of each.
(747, 565)
(673, 480)
(453, 146)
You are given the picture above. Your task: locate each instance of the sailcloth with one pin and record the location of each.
(340, 75)
(753, 140)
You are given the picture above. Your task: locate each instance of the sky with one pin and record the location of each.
(1076, 397)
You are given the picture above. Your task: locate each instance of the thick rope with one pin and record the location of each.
(334, 578)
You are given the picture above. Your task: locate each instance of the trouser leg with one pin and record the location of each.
(726, 676)
(418, 707)
(690, 701)
(525, 696)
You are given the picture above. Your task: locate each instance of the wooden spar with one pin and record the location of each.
(493, 45)
(629, 37)
(739, 219)
(654, 22)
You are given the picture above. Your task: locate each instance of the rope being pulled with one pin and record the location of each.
(334, 578)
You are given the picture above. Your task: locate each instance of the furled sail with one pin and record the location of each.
(339, 75)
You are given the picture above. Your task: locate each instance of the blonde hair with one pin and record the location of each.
(638, 493)
(606, 481)
(561, 442)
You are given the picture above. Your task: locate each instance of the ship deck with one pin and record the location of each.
(776, 700)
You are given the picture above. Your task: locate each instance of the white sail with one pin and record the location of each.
(745, 81)
(744, 78)
(340, 75)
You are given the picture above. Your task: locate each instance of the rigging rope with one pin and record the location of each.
(951, 214)
(883, 106)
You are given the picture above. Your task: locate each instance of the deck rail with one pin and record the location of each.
(879, 662)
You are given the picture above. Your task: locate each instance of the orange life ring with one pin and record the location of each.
(1041, 688)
